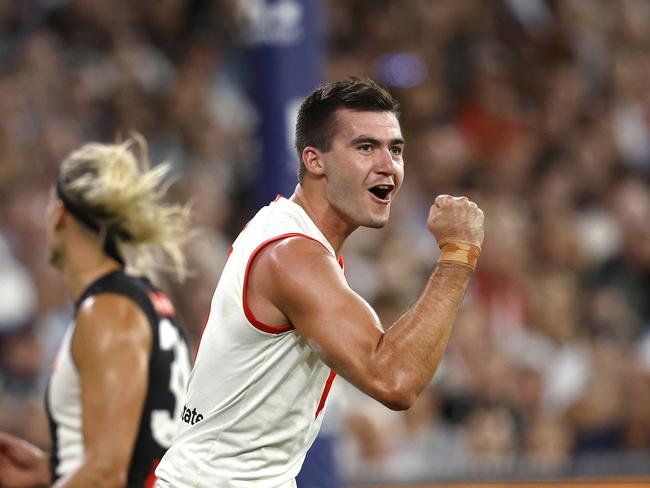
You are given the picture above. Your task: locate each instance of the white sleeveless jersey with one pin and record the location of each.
(64, 401)
(256, 393)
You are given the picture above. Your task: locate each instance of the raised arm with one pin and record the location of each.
(304, 283)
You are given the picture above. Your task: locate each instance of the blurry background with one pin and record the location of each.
(538, 110)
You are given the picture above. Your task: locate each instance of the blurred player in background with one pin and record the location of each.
(115, 395)
(283, 320)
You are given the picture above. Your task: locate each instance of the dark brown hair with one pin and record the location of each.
(316, 124)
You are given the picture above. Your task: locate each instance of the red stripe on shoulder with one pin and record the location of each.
(247, 310)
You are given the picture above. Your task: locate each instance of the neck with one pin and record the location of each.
(79, 274)
(335, 229)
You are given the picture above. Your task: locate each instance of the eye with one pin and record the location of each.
(367, 147)
(396, 150)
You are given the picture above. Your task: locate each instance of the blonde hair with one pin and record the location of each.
(124, 197)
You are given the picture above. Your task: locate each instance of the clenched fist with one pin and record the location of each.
(456, 218)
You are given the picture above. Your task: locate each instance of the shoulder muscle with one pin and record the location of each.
(108, 321)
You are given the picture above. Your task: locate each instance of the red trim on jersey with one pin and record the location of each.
(198, 344)
(151, 477)
(247, 310)
(277, 197)
(326, 392)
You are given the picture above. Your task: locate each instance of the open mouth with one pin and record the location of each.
(381, 191)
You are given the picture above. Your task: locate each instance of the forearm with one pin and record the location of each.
(412, 348)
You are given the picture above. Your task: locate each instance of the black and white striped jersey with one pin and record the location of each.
(169, 367)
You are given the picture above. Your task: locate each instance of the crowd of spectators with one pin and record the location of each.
(538, 110)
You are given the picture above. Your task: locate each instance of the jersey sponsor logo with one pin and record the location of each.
(161, 303)
(190, 416)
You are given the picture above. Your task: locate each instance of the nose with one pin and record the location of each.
(385, 163)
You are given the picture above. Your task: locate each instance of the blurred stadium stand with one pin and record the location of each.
(539, 110)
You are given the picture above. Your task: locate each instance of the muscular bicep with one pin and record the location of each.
(307, 285)
(111, 349)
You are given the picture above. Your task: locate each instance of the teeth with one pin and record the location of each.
(381, 191)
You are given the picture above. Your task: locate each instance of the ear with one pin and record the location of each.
(313, 161)
(59, 215)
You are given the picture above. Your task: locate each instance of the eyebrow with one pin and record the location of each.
(373, 140)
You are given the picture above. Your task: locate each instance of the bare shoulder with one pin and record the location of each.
(296, 252)
(297, 274)
(110, 309)
(110, 319)
(296, 261)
